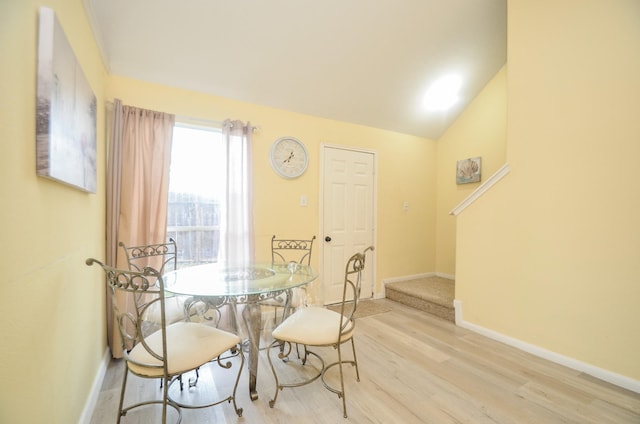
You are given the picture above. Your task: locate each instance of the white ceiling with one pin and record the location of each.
(367, 62)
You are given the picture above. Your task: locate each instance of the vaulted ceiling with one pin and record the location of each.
(360, 61)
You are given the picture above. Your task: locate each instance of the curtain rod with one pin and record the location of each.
(206, 122)
(199, 121)
(195, 121)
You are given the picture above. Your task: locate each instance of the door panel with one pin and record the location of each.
(348, 195)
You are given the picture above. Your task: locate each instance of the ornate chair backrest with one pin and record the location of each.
(351, 290)
(160, 256)
(288, 250)
(137, 299)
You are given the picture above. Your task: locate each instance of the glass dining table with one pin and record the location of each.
(217, 285)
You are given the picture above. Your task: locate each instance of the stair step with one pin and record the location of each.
(433, 295)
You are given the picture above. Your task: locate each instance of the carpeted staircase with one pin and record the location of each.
(433, 295)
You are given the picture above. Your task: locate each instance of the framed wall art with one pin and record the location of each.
(66, 111)
(468, 170)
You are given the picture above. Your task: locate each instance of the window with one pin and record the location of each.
(196, 187)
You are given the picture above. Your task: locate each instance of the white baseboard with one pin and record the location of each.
(447, 276)
(407, 278)
(92, 400)
(602, 374)
(457, 310)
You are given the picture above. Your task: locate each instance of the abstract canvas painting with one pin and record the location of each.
(66, 111)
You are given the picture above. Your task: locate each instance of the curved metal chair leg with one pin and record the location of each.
(122, 389)
(272, 402)
(341, 394)
(231, 398)
(355, 359)
(282, 356)
(192, 381)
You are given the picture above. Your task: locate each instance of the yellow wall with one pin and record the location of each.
(481, 130)
(53, 337)
(550, 255)
(406, 172)
(52, 327)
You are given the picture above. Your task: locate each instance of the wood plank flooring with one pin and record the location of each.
(414, 368)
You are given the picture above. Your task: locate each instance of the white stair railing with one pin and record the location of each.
(490, 182)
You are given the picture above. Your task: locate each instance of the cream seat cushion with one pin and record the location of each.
(189, 345)
(313, 326)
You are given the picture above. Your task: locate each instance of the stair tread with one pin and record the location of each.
(437, 290)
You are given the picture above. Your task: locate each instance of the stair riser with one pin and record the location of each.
(421, 304)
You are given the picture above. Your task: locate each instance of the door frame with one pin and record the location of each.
(372, 262)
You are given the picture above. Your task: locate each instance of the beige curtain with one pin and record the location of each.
(137, 188)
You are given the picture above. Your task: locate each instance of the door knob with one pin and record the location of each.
(327, 239)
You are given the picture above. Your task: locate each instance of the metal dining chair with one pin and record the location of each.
(316, 326)
(286, 251)
(164, 258)
(160, 256)
(155, 348)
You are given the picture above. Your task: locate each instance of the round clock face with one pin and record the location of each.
(289, 157)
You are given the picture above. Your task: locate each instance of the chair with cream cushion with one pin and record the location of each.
(286, 251)
(319, 326)
(164, 258)
(157, 349)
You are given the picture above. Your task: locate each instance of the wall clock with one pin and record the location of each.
(289, 157)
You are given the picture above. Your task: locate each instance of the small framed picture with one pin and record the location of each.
(468, 170)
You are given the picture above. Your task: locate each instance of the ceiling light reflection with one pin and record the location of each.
(443, 93)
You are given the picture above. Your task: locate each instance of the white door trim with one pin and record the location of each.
(371, 263)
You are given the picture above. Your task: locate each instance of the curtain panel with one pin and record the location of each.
(237, 228)
(137, 189)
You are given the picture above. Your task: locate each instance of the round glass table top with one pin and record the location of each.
(217, 280)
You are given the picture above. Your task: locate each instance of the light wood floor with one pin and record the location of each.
(414, 369)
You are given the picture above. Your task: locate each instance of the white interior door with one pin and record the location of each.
(348, 217)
